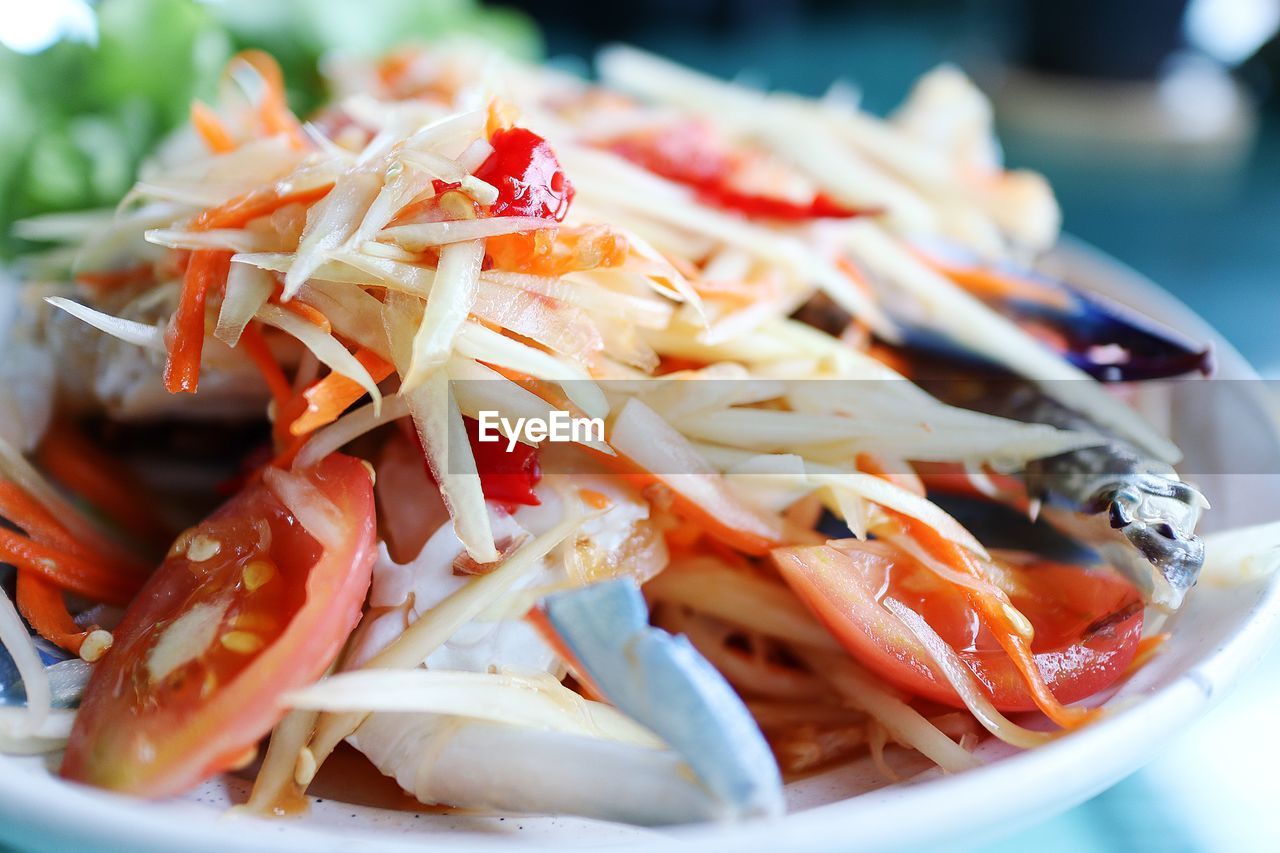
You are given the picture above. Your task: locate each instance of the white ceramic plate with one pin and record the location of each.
(1220, 632)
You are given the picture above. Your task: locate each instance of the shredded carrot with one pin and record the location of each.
(501, 115)
(84, 468)
(215, 134)
(537, 617)
(394, 65)
(23, 511)
(114, 279)
(255, 346)
(68, 571)
(993, 614)
(43, 606)
(1148, 647)
(990, 283)
(890, 358)
(329, 397)
(305, 311)
(907, 479)
(206, 273)
(949, 478)
(245, 208)
(288, 444)
(683, 537)
(39, 524)
(740, 540)
(594, 499)
(273, 107)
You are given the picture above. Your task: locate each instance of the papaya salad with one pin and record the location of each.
(256, 517)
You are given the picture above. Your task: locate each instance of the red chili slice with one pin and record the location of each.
(527, 174)
(507, 477)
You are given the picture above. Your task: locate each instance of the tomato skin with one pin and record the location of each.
(528, 176)
(1088, 621)
(158, 736)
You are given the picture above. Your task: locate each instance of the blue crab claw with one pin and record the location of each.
(662, 682)
(1107, 340)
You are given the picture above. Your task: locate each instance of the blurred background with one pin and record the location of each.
(1157, 121)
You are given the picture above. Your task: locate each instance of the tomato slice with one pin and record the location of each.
(1087, 620)
(247, 606)
(527, 175)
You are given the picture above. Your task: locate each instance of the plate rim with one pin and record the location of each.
(104, 817)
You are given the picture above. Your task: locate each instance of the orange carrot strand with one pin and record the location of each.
(998, 621)
(209, 126)
(331, 396)
(273, 107)
(67, 571)
(24, 511)
(206, 272)
(43, 606)
(113, 279)
(537, 618)
(245, 208)
(85, 469)
(255, 346)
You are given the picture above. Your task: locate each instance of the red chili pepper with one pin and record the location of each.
(771, 207)
(691, 156)
(527, 174)
(507, 477)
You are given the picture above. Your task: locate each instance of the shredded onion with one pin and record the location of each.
(314, 511)
(323, 346)
(221, 239)
(708, 585)
(532, 701)
(330, 223)
(348, 428)
(447, 308)
(129, 331)
(904, 723)
(248, 289)
(424, 235)
(16, 640)
(484, 344)
(443, 436)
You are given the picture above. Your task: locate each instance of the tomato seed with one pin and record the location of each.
(242, 642)
(257, 573)
(203, 548)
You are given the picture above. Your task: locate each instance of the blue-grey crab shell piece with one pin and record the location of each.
(662, 682)
(1136, 511)
(1109, 341)
(67, 676)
